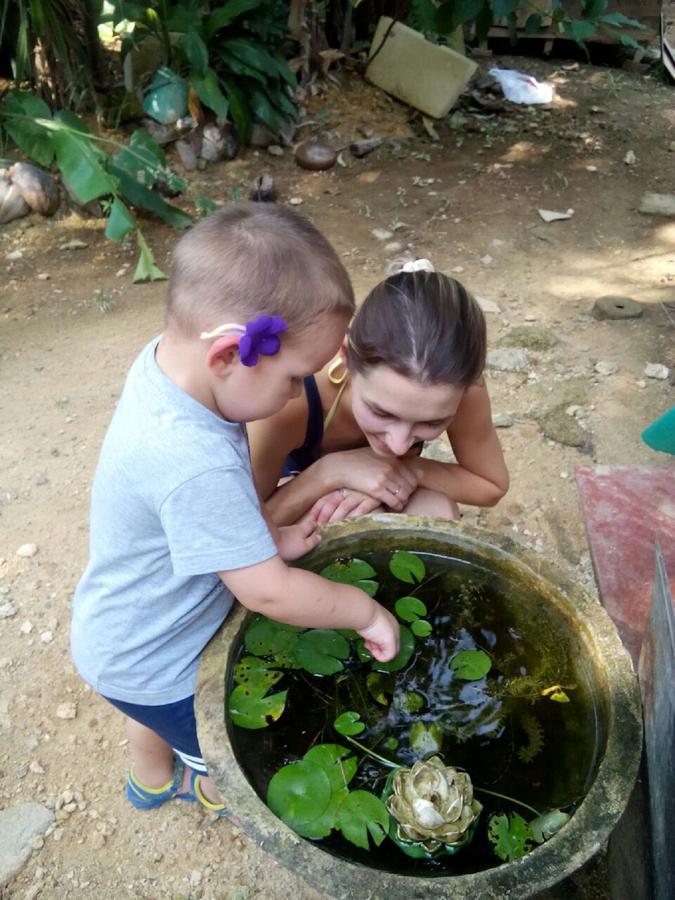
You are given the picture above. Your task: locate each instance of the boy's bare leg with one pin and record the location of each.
(151, 756)
(431, 503)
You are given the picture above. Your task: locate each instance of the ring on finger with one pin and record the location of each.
(343, 492)
(396, 491)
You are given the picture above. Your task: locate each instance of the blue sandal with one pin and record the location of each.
(143, 797)
(195, 784)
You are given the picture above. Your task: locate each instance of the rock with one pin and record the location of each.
(534, 337)
(141, 61)
(657, 370)
(36, 187)
(27, 550)
(616, 307)
(261, 136)
(557, 426)
(73, 244)
(363, 148)
(630, 158)
(195, 878)
(382, 234)
(13, 255)
(26, 627)
(488, 306)
(43, 276)
(219, 143)
(487, 260)
(263, 189)
(12, 204)
(606, 368)
(295, 201)
(98, 841)
(315, 156)
(394, 247)
(67, 710)
(187, 155)
(93, 208)
(7, 610)
(503, 420)
(47, 637)
(552, 215)
(36, 768)
(18, 826)
(275, 150)
(658, 204)
(508, 359)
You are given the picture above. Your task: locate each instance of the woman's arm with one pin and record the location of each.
(479, 477)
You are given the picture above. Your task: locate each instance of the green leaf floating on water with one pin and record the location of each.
(407, 567)
(470, 665)
(409, 701)
(319, 651)
(379, 685)
(548, 824)
(356, 572)
(256, 673)
(336, 761)
(510, 836)
(250, 708)
(267, 638)
(360, 814)
(348, 723)
(421, 628)
(402, 658)
(300, 794)
(426, 740)
(409, 609)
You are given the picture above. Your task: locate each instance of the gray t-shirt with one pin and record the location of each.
(173, 503)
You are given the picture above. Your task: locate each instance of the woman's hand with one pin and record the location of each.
(342, 504)
(388, 480)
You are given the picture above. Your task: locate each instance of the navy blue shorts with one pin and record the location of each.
(174, 722)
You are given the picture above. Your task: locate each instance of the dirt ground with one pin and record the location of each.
(469, 202)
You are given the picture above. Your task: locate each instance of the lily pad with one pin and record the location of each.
(349, 723)
(267, 638)
(319, 651)
(548, 824)
(470, 665)
(421, 628)
(407, 567)
(406, 649)
(409, 701)
(510, 836)
(426, 740)
(337, 762)
(409, 609)
(361, 814)
(256, 672)
(379, 685)
(348, 572)
(300, 794)
(250, 708)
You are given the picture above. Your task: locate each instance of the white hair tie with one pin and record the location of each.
(419, 265)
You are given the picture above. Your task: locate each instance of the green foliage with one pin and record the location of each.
(470, 665)
(421, 628)
(380, 685)
(312, 796)
(320, 651)
(249, 707)
(230, 54)
(409, 608)
(535, 738)
(545, 826)
(348, 724)
(353, 571)
(510, 836)
(407, 567)
(425, 740)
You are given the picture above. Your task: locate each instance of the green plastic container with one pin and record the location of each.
(660, 435)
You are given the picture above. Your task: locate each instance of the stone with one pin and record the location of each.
(275, 150)
(162, 134)
(603, 367)
(657, 370)
(488, 306)
(67, 710)
(616, 307)
(533, 337)
(557, 426)
(394, 247)
(382, 234)
(43, 276)
(508, 359)
(27, 550)
(36, 186)
(503, 420)
(26, 627)
(630, 158)
(7, 610)
(295, 201)
(141, 61)
(218, 143)
(73, 244)
(187, 155)
(261, 136)
(487, 260)
(36, 768)
(315, 156)
(424, 75)
(18, 826)
(14, 255)
(360, 149)
(12, 204)
(263, 189)
(658, 204)
(47, 637)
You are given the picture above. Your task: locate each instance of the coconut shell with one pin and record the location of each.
(315, 156)
(12, 204)
(36, 187)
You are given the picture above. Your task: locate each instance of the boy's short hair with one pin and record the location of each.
(251, 259)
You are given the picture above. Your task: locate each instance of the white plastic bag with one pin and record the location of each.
(521, 88)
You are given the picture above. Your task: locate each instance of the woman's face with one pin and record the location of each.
(395, 411)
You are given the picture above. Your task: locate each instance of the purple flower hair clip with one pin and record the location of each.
(259, 337)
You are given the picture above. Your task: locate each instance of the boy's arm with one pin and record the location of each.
(302, 598)
(479, 477)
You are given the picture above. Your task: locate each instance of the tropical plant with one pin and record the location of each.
(230, 54)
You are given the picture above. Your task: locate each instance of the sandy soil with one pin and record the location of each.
(469, 202)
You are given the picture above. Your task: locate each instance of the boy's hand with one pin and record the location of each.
(381, 637)
(294, 541)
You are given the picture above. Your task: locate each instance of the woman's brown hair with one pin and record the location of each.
(423, 325)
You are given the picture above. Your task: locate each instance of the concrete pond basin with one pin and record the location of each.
(614, 685)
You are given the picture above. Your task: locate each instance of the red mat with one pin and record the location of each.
(626, 510)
